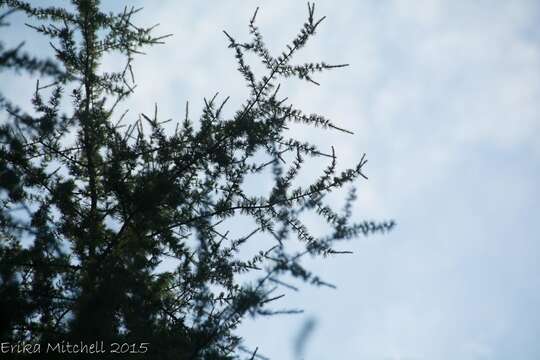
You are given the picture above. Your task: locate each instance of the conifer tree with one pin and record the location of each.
(92, 202)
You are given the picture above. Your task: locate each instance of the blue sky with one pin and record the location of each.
(444, 97)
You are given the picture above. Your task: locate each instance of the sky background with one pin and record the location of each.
(444, 98)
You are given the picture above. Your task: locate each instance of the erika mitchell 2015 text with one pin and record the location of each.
(66, 347)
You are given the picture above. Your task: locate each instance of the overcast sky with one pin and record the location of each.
(444, 97)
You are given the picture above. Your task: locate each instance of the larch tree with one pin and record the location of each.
(92, 202)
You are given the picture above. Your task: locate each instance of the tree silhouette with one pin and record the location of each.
(93, 203)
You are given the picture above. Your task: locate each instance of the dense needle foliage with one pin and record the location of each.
(92, 202)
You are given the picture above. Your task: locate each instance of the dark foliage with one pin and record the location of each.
(91, 203)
